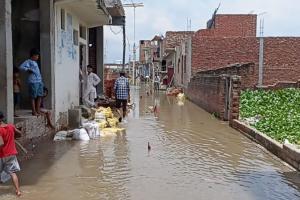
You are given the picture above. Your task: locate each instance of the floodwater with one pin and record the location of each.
(193, 156)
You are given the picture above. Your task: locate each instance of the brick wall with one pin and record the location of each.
(208, 88)
(235, 25)
(207, 91)
(281, 59)
(248, 73)
(231, 26)
(214, 53)
(281, 56)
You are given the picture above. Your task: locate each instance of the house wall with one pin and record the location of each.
(67, 66)
(183, 74)
(281, 59)
(231, 26)
(281, 55)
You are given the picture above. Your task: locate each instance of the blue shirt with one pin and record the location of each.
(122, 88)
(35, 76)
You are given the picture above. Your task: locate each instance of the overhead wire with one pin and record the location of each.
(114, 32)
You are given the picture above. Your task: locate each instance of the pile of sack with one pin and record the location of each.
(107, 121)
(102, 122)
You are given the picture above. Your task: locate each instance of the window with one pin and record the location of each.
(63, 19)
(75, 37)
(82, 32)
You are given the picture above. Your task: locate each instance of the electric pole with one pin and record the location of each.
(134, 6)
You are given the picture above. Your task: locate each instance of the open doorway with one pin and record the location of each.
(25, 36)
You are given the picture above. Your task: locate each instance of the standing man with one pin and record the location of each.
(122, 92)
(156, 82)
(8, 161)
(35, 82)
(89, 89)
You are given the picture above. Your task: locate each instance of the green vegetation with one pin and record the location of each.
(278, 112)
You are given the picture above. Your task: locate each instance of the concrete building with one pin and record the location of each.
(69, 35)
(145, 59)
(183, 69)
(172, 40)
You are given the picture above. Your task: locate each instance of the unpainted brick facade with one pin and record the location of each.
(231, 26)
(230, 43)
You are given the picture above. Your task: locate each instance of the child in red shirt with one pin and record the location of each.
(8, 160)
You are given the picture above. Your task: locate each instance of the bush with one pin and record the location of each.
(279, 112)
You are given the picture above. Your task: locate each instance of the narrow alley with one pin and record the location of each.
(193, 156)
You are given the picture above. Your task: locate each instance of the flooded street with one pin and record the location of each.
(193, 156)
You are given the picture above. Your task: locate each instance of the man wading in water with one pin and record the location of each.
(122, 93)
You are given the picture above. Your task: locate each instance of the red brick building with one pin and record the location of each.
(233, 40)
(229, 47)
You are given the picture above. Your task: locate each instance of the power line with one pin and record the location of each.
(114, 32)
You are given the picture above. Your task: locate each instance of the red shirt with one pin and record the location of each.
(8, 135)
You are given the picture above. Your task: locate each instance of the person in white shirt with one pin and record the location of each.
(91, 80)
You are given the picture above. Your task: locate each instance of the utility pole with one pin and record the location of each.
(134, 6)
(261, 51)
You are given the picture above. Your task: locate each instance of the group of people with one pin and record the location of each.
(38, 92)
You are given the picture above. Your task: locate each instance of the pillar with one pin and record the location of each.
(6, 61)
(47, 32)
(235, 98)
(100, 58)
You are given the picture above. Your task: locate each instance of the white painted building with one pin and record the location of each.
(72, 21)
(61, 29)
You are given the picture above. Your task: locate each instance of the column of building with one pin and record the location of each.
(6, 60)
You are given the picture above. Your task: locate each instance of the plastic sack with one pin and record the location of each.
(99, 116)
(92, 129)
(80, 134)
(113, 122)
(112, 131)
(60, 136)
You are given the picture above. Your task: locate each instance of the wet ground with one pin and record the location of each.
(193, 156)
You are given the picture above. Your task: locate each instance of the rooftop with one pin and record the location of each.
(174, 38)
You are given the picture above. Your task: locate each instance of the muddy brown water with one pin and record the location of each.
(193, 156)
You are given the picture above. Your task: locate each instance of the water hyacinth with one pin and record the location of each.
(279, 112)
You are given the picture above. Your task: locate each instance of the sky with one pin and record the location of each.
(281, 18)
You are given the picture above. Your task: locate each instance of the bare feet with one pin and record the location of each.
(34, 114)
(18, 193)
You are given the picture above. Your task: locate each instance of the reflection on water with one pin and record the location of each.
(193, 156)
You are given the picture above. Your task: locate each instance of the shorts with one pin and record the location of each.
(121, 103)
(36, 90)
(17, 98)
(9, 165)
